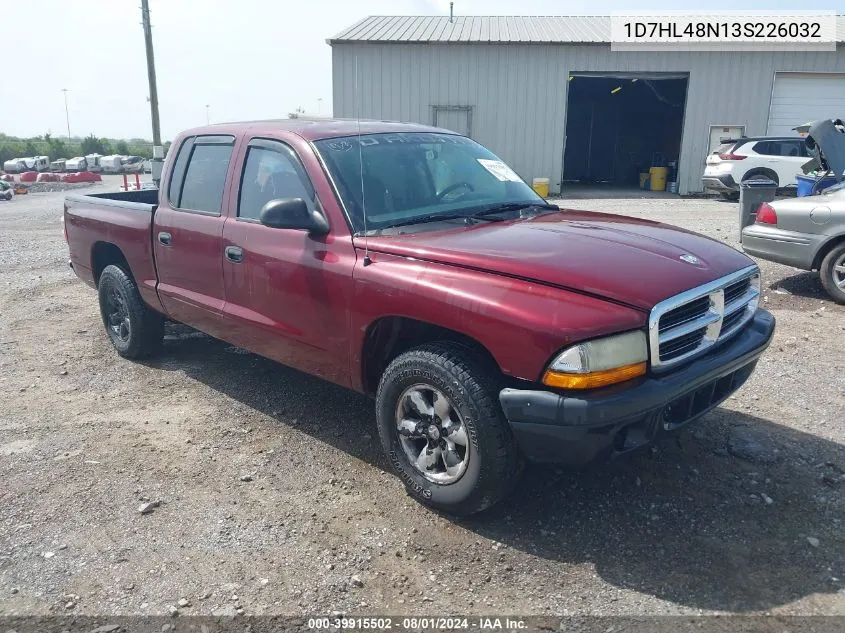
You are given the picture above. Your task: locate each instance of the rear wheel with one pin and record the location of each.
(730, 195)
(832, 273)
(443, 429)
(134, 329)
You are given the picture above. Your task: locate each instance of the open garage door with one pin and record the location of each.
(801, 97)
(621, 124)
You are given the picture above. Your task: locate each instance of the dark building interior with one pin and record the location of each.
(617, 126)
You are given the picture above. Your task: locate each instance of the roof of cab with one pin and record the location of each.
(314, 129)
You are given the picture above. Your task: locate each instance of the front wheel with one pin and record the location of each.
(832, 273)
(443, 429)
(134, 329)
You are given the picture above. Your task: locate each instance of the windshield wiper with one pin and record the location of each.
(512, 206)
(483, 214)
(434, 217)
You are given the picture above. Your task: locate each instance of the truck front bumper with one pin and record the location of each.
(606, 423)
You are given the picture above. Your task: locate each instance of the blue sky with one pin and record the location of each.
(246, 59)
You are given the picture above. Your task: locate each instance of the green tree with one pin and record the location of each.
(57, 149)
(121, 147)
(29, 149)
(91, 145)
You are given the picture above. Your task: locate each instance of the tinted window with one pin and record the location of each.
(400, 177)
(764, 147)
(780, 148)
(205, 178)
(271, 174)
(178, 172)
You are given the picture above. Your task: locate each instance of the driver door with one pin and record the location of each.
(281, 284)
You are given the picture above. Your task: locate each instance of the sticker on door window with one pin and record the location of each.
(499, 169)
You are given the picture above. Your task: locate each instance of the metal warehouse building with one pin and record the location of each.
(549, 96)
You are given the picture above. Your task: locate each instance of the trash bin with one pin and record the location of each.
(752, 193)
(805, 184)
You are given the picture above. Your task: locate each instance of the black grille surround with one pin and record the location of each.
(686, 325)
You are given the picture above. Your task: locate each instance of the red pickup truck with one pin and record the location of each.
(411, 264)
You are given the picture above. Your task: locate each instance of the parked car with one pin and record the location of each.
(132, 164)
(778, 158)
(6, 190)
(808, 233)
(489, 325)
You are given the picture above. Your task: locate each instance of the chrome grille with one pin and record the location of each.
(681, 345)
(684, 314)
(686, 325)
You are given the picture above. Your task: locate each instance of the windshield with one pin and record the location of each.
(418, 175)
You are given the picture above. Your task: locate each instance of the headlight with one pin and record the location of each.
(604, 361)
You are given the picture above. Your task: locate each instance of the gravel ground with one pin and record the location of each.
(273, 496)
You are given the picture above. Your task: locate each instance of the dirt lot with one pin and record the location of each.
(274, 493)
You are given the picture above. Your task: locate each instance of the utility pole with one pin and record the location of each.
(319, 105)
(158, 150)
(67, 116)
(207, 117)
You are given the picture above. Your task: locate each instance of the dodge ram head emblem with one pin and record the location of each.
(690, 259)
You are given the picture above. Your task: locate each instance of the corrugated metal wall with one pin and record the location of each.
(518, 91)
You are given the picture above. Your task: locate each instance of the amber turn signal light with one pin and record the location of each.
(594, 379)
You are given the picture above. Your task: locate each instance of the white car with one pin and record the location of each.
(778, 158)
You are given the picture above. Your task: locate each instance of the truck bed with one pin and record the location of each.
(142, 200)
(98, 224)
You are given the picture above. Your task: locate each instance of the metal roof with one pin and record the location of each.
(562, 29)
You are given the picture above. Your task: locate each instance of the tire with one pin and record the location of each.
(832, 273)
(730, 195)
(491, 462)
(134, 329)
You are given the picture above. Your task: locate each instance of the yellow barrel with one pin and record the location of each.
(541, 186)
(657, 176)
(643, 179)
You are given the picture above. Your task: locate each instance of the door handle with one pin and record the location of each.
(165, 238)
(234, 254)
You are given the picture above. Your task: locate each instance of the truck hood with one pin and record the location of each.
(627, 260)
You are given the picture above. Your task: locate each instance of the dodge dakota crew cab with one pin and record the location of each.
(410, 263)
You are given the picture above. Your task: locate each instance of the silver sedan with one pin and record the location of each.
(807, 233)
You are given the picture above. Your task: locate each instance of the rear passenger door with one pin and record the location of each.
(783, 156)
(794, 152)
(187, 233)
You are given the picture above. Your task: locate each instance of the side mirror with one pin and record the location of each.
(292, 213)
